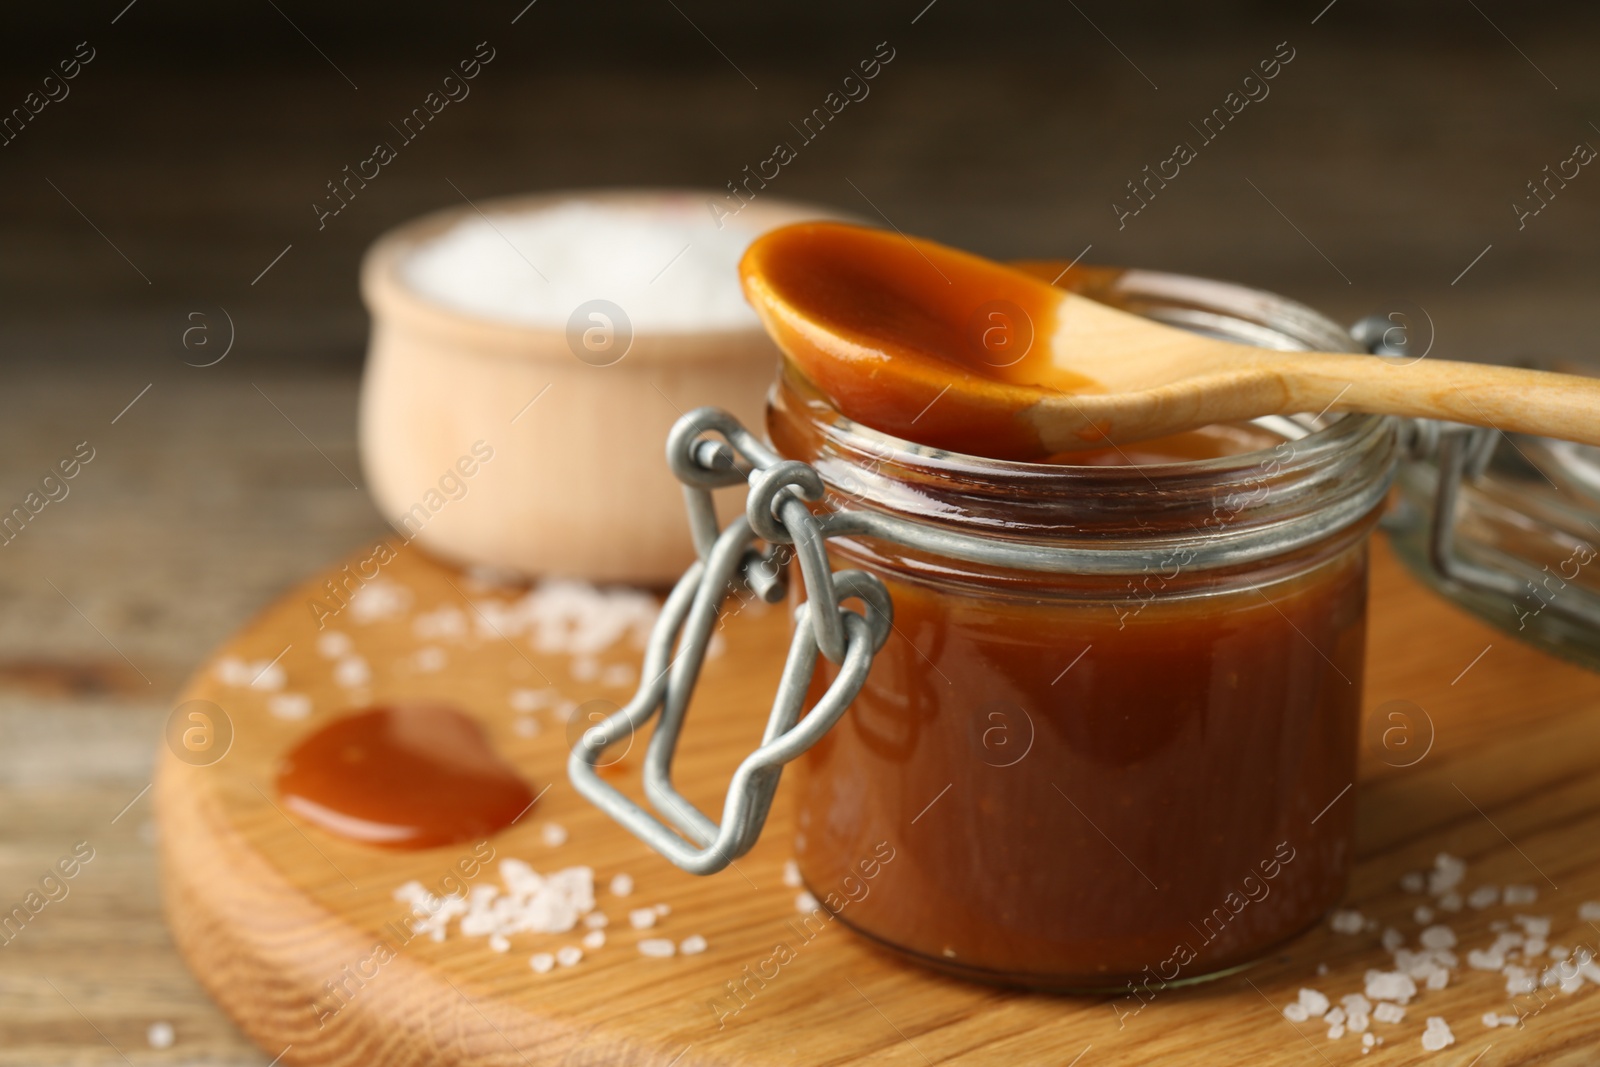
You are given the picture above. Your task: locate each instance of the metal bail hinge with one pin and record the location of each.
(778, 511)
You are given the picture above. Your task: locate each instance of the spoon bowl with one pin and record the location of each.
(956, 351)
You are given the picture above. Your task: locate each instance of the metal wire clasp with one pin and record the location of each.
(777, 512)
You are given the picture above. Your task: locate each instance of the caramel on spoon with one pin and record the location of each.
(953, 350)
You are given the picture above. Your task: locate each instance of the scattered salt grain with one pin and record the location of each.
(1336, 1031)
(160, 1035)
(692, 945)
(1533, 925)
(1356, 1004)
(585, 669)
(663, 909)
(1413, 882)
(1447, 873)
(1589, 911)
(499, 943)
(1534, 946)
(1438, 937)
(1388, 1013)
(532, 699)
(1296, 1012)
(1346, 922)
(621, 885)
(657, 947)
(1423, 915)
(553, 834)
(1393, 939)
(429, 659)
(1437, 1035)
(594, 939)
(1484, 896)
(1367, 1041)
(289, 705)
(791, 874)
(352, 672)
(525, 726)
(1388, 985)
(334, 645)
(569, 955)
(379, 601)
(542, 962)
(1491, 1020)
(642, 918)
(617, 676)
(1518, 980)
(806, 903)
(1315, 1003)
(444, 621)
(1451, 901)
(596, 920)
(1517, 895)
(1334, 1017)
(268, 675)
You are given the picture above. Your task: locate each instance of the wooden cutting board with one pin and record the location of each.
(269, 911)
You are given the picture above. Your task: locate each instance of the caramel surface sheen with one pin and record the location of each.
(407, 776)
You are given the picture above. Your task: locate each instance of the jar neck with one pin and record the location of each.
(1316, 481)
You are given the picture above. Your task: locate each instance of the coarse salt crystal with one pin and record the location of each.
(553, 834)
(267, 675)
(1447, 873)
(1437, 1035)
(1485, 959)
(1356, 1004)
(378, 601)
(1296, 1012)
(791, 874)
(1388, 1013)
(1334, 1017)
(1413, 882)
(352, 672)
(1518, 980)
(1491, 1020)
(499, 943)
(1589, 911)
(1346, 922)
(1516, 895)
(1392, 939)
(334, 645)
(617, 676)
(692, 945)
(594, 939)
(1483, 897)
(1451, 901)
(569, 955)
(596, 920)
(1389, 985)
(621, 885)
(1315, 1003)
(1367, 1041)
(289, 705)
(805, 902)
(1439, 936)
(429, 659)
(532, 699)
(657, 947)
(525, 726)
(642, 918)
(1533, 925)
(1423, 915)
(542, 962)
(160, 1035)
(585, 669)
(663, 909)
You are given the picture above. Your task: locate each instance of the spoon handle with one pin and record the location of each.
(1509, 399)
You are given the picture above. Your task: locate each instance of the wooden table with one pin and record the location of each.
(269, 911)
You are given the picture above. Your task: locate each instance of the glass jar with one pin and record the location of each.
(1132, 762)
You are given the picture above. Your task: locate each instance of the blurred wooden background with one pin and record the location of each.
(190, 149)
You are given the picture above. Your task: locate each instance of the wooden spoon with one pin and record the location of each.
(952, 350)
